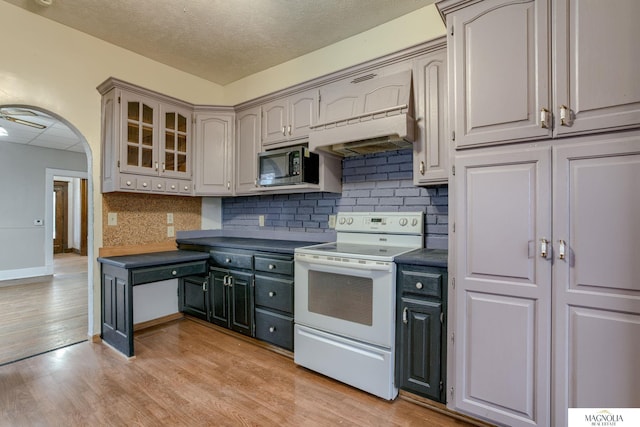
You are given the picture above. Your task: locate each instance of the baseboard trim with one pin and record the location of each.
(160, 320)
(25, 273)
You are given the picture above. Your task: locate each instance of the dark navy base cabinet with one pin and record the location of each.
(421, 330)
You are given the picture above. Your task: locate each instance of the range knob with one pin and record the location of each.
(349, 221)
(342, 220)
(403, 222)
(414, 222)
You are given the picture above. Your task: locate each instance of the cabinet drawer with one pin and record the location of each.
(232, 259)
(274, 293)
(165, 272)
(425, 283)
(282, 265)
(274, 328)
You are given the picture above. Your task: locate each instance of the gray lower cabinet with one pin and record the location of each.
(274, 299)
(421, 330)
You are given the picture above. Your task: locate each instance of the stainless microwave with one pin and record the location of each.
(288, 166)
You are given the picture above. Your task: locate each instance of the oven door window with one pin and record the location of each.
(341, 296)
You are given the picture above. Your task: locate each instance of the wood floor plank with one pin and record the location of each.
(188, 374)
(45, 313)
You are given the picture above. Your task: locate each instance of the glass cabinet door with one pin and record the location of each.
(139, 141)
(175, 152)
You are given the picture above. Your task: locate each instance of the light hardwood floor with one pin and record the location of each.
(39, 315)
(189, 374)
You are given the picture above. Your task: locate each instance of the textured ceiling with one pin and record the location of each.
(222, 40)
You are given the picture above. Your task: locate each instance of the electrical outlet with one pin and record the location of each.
(112, 218)
(332, 221)
(170, 231)
(169, 218)
(261, 220)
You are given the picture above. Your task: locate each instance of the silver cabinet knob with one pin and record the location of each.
(186, 187)
(272, 294)
(128, 183)
(227, 260)
(144, 184)
(419, 285)
(272, 267)
(159, 186)
(272, 329)
(173, 187)
(174, 272)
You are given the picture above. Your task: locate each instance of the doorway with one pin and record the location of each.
(60, 216)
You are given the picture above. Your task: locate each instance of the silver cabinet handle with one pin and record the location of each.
(404, 316)
(272, 329)
(421, 168)
(163, 167)
(228, 185)
(419, 285)
(289, 130)
(562, 249)
(544, 247)
(563, 115)
(543, 118)
(272, 294)
(225, 281)
(156, 166)
(204, 286)
(284, 133)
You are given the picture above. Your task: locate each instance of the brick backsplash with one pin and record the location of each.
(381, 182)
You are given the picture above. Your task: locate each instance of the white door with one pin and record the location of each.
(503, 285)
(597, 284)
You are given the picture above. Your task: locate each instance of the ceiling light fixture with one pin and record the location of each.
(24, 122)
(3, 132)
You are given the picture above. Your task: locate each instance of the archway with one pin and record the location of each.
(19, 119)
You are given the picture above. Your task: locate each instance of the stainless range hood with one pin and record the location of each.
(366, 115)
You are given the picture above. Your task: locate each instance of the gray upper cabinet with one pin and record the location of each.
(288, 119)
(430, 151)
(510, 81)
(596, 82)
(247, 148)
(146, 141)
(498, 70)
(214, 155)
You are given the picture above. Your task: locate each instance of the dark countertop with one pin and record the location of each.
(267, 245)
(154, 258)
(427, 257)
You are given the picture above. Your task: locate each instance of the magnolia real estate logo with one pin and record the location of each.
(610, 417)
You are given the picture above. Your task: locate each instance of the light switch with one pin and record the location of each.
(332, 221)
(112, 218)
(169, 218)
(170, 231)
(261, 220)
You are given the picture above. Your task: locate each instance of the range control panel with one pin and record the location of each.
(381, 222)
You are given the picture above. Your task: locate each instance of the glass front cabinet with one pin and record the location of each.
(146, 143)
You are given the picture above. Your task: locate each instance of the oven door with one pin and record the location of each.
(355, 301)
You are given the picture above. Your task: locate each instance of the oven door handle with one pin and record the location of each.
(387, 266)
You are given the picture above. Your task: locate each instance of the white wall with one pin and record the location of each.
(23, 188)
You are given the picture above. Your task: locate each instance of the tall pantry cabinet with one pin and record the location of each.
(545, 284)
